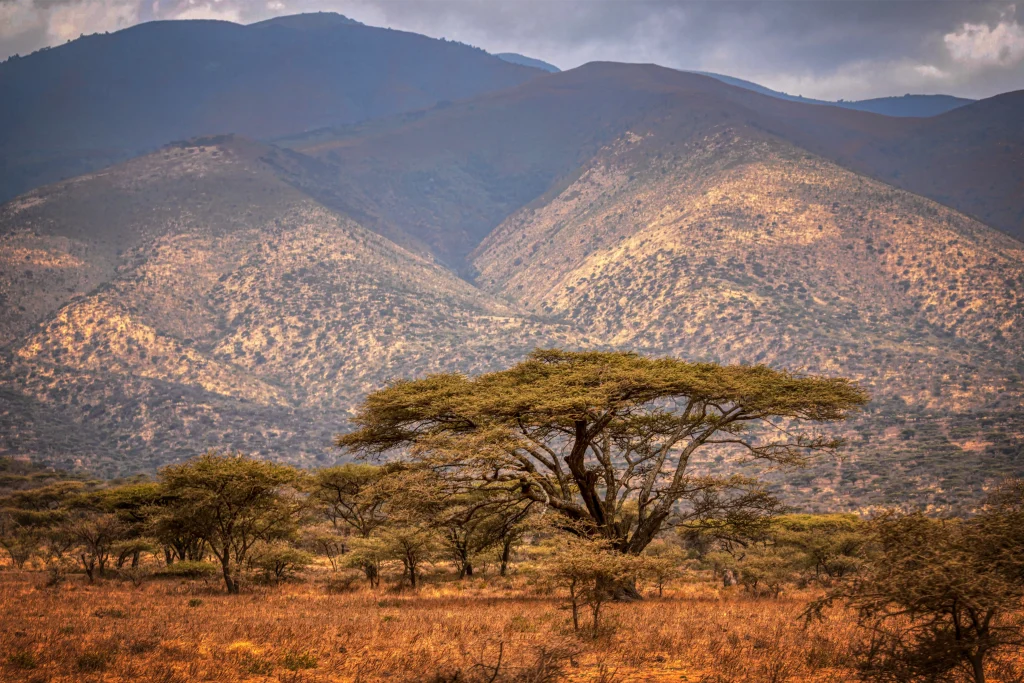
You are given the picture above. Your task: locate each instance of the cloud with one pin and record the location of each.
(978, 45)
(222, 10)
(67, 21)
(818, 48)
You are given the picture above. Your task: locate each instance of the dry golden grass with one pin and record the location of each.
(172, 630)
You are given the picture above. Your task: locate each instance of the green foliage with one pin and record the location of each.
(606, 439)
(235, 502)
(279, 561)
(23, 659)
(296, 661)
(940, 597)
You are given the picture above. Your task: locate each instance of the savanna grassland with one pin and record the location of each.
(189, 630)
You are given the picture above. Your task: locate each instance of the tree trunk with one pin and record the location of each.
(978, 667)
(626, 592)
(89, 565)
(506, 555)
(621, 591)
(229, 581)
(372, 575)
(469, 569)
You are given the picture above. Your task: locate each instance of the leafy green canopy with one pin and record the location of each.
(606, 438)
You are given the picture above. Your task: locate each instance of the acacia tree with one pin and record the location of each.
(939, 597)
(350, 496)
(467, 522)
(607, 440)
(234, 502)
(97, 534)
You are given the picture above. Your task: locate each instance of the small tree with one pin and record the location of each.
(662, 563)
(830, 547)
(413, 546)
(468, 520)
(234, 502)
(137, 506)
(590, 572)
(279, 561)
(349, 496)
(938, 597)
(18, 536)
(367, 554)
(324, 539)
(97, 534)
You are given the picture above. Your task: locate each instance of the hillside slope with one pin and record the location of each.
(741, 248)
(104, 98)
(216, 306)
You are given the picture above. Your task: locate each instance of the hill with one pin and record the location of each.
(515, 58)
(104, 98)
(244, 314)
(907, 105)
(737, 247)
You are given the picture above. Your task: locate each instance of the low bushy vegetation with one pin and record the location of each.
(538, 524)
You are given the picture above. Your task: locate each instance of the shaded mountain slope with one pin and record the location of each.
(446, 177)
(103, 98)
(516, 58)
(971, 159)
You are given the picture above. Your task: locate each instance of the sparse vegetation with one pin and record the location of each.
(447, 565)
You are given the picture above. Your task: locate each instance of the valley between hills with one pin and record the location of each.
(226, 293)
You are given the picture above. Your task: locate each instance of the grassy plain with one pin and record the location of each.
(175, 630)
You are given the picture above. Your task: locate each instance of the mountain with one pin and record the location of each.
(192, 299)
(523, 60)
(971, 158)
(738, 247)
(104, 98)
(448, 176)
(907, 105)
(234, 294)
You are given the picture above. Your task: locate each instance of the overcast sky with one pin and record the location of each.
(828, 49)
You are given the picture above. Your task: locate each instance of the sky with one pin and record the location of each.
(827, 49)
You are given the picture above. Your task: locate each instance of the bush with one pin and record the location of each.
(293, 661)
(188, 569)
(341, 583)
(280, 561)
(93, 662)
(23, 660)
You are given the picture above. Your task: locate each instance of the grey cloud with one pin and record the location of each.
(818, 48)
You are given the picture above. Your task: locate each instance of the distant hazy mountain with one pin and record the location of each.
(527, 61)
(103, 98)
(907, 105)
